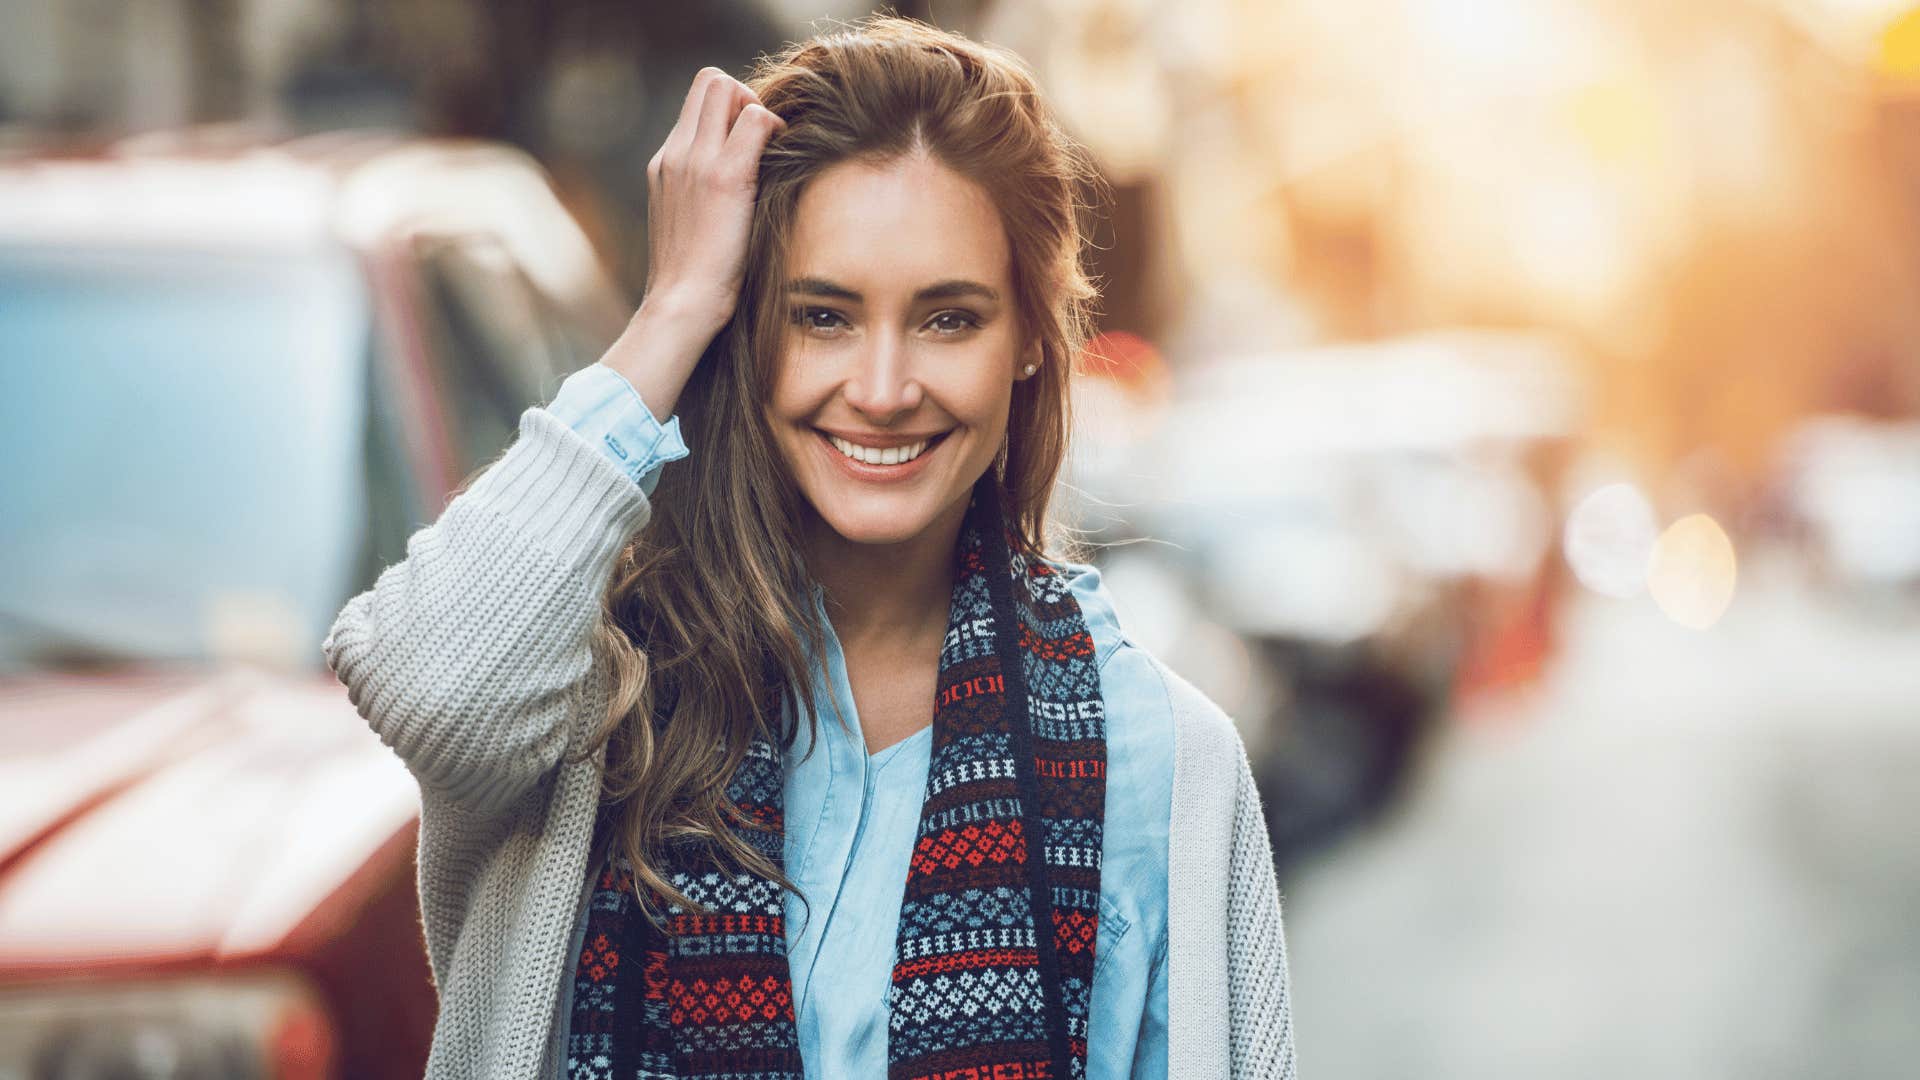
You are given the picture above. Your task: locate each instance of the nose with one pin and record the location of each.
(881, 385)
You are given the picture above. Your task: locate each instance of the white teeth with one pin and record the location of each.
(873, 455)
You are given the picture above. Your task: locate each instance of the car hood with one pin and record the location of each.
(156, 815)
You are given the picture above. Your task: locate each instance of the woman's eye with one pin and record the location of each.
(954, 322)
(818, 319)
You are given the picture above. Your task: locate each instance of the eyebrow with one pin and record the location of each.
(944, 290)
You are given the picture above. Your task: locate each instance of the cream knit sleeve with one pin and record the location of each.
(1261, 1018)
(1228, 1008)
(467, 656)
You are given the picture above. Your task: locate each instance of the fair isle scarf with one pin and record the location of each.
(1009, 840)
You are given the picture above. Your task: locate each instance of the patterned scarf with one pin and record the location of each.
(1018, 769)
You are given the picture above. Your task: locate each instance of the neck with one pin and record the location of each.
(897, 593)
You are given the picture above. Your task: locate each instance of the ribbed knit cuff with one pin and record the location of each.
(557, 488)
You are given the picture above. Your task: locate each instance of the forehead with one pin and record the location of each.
(890, 227)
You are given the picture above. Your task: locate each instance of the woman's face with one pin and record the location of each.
(890, 398)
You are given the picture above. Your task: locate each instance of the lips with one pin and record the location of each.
(893, 457)
(879, 455)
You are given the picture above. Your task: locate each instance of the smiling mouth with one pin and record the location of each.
(875, 455)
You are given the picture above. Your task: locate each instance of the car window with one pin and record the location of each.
(582, 332)
(184, 433)
(494, 353)
(394, 506)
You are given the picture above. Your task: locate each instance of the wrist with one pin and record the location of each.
(681, 314)
(656, 361)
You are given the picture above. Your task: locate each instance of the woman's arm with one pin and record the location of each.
(465, 656)
(469, 655)
(1229, 1011)
(1258, 995)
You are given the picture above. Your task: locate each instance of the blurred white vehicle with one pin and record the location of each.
(233, 381)
(1852, 485)
(1324, 525)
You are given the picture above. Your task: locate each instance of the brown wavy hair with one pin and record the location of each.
(709, 613)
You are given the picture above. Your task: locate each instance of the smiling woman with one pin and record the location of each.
(820, 692)
(912, 251)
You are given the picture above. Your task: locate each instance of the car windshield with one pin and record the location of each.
(182, 436)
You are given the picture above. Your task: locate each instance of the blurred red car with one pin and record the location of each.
(234, 381)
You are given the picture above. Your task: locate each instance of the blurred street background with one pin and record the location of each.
(1508, 410)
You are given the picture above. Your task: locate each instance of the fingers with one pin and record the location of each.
(719, 136)
(725, 97)
(673, 153)
(696, 96)
(755, 125)
(704, 139)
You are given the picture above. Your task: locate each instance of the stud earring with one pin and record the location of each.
(1031, 368)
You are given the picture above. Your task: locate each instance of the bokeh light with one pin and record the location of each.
(1610, 536)
(1691, 574)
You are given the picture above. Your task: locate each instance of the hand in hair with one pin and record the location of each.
(700, 188)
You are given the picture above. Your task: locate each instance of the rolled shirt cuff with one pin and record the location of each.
(605, 409)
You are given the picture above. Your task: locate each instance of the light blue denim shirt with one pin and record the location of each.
(851, 818)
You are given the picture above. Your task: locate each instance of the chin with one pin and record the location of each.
(876, 519)
(875, 534)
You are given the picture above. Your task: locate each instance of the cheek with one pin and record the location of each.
(792, 398)
(982, 397)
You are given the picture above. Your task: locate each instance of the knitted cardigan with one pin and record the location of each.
(472, 659)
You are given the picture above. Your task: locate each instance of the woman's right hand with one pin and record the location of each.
(700, 189)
